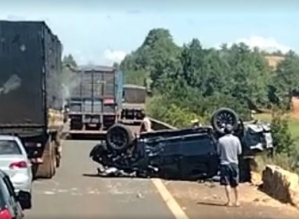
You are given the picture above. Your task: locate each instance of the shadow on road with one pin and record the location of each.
(210, 203)
(90, 175)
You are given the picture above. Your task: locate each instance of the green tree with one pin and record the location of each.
(198, 80)
(148, 61)
(69, 60)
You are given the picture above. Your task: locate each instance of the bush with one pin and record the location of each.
(282, 139)
(169, 112)
(286, 153)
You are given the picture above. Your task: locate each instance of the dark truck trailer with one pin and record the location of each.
(95, 100)
(133, 102)
(30, 91)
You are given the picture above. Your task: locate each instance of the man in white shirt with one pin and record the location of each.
(146, 125)
(229, 150)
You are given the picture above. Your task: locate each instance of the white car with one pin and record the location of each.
(15, 163)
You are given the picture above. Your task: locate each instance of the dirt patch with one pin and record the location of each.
(206, 200)
(295, 104)
(273, 60)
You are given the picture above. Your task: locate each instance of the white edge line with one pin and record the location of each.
(169, 200)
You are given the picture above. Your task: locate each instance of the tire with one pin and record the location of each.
(224, 116)
(58, 150)
(26, 201)
(119, 137)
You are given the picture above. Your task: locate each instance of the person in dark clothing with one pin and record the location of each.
(229, 149)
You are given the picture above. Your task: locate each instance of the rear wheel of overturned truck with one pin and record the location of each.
(222, 117)
(46, 169)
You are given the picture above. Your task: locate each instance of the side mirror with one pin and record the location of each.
(24, 198)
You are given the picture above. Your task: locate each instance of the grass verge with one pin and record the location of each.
(292, 122)
(287, 162)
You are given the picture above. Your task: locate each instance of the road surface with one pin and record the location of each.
(75, 192)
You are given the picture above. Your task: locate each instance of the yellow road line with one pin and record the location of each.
(171, 203)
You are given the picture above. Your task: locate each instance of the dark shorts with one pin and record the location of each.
(229, 175)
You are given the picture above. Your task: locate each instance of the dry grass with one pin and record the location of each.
(273, 60)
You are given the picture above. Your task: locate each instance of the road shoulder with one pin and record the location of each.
(206, 200)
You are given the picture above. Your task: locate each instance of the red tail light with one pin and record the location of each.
(5, 214)
(108, 101)
(19, 164)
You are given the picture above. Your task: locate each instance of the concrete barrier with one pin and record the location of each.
(159, 125)
(281, 184)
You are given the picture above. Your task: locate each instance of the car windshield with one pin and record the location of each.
(9, 147)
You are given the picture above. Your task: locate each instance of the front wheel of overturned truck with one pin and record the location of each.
(119, 137)
(46, 169)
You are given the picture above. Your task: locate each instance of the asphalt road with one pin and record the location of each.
(72, 194)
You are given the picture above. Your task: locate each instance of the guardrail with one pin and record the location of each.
(159, 125)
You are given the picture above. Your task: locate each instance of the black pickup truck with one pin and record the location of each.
(185, 154)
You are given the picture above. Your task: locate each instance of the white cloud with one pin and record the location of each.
(108, 57)
(266, 44)
(114, 55)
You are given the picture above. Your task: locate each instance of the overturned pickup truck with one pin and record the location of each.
(185, 154)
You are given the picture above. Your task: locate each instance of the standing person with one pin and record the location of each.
(229, 149)
(146, 125)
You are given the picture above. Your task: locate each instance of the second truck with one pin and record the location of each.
(95, 99)
(30, 91)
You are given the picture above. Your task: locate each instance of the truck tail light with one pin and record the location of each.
(5, 214)
(108, 101)
(19, 164)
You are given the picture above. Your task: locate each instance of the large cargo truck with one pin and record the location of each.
(95, 102)
(30, 92)
(133, 102)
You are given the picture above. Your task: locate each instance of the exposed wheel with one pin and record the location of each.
(47, 169)
(222, 117)
(25, 200)
(119, 137)
(54, 158)
(58, 150)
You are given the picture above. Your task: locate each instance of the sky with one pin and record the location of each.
(101, 32)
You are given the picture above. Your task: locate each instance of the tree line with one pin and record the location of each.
(192, 81)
